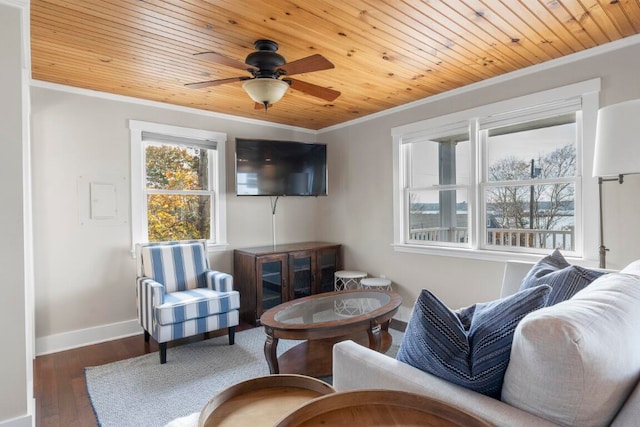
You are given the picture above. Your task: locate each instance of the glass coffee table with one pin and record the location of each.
(323, 320)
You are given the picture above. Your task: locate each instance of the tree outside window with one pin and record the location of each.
(530, 193)
(177, 192)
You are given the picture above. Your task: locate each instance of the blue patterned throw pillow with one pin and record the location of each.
(565, 279)
(546, 265)
(471, 347)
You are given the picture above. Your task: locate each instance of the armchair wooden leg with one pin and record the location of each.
(232, 335)
(163, 353)
(147, 335)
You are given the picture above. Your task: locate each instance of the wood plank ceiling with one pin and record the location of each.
(386, 52)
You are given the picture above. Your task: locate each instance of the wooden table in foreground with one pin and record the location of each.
(322, 320)
(262, 401)
(301, 401)
(375, 408)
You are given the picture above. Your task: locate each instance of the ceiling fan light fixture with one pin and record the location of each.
(265, 91)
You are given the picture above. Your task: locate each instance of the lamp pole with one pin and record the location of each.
(531, 196)
(603, 249)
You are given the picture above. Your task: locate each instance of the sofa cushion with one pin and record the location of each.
(633, 268)
(576, 362)
(471, 347)
(565, 279)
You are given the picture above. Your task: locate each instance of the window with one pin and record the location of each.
(529, 189)
(504, 178)
(177, 179)
(438, 191)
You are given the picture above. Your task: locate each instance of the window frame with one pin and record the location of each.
(525, 107)
(214, 141)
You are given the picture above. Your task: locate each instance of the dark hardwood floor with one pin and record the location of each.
(59, 386)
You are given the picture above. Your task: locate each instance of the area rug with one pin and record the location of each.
(140, 392)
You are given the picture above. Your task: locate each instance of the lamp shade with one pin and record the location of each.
(265, 90)
(618, 140)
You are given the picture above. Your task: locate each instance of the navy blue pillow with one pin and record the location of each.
(471, 347)
(565, 279)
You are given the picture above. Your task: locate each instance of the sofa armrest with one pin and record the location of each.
(357, 367)
(514, 272)
(219, 281)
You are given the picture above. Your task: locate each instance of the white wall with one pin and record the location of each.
(15, 369)
(359, 213)
(84, 271)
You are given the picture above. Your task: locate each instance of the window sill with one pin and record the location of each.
(483, 255)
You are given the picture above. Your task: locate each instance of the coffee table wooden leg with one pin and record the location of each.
(374, 335)
(270, 346)
(385, 325)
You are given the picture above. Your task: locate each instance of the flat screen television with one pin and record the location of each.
(280, 168)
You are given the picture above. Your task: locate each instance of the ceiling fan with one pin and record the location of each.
(267, 66)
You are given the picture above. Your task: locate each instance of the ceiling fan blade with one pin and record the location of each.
(224, 60)
(200, 85)
(314, 90)
(311, 63)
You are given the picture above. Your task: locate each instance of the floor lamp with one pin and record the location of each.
(617, 150)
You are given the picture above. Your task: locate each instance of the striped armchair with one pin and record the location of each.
(178, 296)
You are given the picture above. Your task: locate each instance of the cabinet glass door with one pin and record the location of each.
(301, 279)
(328, 264)
(272, 271)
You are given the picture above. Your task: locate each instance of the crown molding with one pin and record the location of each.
(157, 104)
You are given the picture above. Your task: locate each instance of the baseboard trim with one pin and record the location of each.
(82, 337)
(22, 421)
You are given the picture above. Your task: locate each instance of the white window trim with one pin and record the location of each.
(138, 227)
(588, 241)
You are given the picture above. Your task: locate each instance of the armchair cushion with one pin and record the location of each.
(164, 333)
(194, 304)
(177, 266)
(470, 348)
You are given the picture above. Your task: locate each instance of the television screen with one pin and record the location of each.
(280, 168)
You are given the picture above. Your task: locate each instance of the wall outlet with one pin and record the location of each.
(382, 276)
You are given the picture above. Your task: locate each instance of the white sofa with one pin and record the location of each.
(605, 390)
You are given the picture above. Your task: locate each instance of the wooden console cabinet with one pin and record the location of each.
(267, 276)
